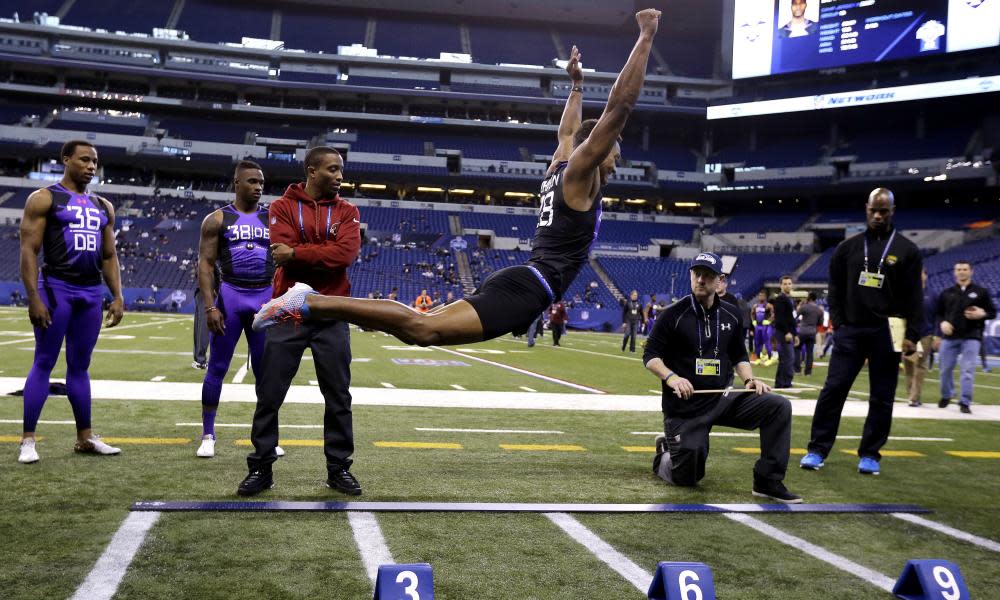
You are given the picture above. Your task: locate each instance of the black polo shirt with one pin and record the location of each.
(685, 331)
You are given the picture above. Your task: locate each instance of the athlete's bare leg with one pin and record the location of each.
(456, 323)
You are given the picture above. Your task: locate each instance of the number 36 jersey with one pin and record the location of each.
(563, 236)
(74, 232)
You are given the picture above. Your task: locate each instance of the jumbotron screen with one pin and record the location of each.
(781, 36)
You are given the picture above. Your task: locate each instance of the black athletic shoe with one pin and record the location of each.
(965, 408)
(256, 482)
(342, 481)
(774, 490)
(944, 402)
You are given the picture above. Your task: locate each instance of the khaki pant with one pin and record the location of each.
(915, 367)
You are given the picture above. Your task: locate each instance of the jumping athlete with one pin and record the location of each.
(235, 238)
(76, 231)
(569, 216)
(762, 313)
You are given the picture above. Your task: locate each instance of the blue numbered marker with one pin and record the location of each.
(404, 582)
(931, 579)
(682, 581)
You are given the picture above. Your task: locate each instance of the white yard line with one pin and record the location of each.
(245, 426)
(974, 385)
(526, 388)
(603, 551)
(521, 371)
(371, 543)
(107, 574)
(20, 422)
(950, 531)
(158, 378)
(901, 438)
(619, 356)
(456, 430)
(386, 384)
(241, 373)
(455, 386)
(873, 577)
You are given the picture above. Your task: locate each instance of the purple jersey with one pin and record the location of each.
(74, 232)
(760, 313)
(245, 248)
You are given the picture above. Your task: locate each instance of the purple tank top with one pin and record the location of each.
(245, 248)
(74, 232)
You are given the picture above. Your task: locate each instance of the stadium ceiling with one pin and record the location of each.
(605, 12)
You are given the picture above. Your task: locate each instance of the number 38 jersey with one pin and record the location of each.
(245, 248)
(563, 236)
(74, 232)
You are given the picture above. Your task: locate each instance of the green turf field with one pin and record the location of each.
(60, 513)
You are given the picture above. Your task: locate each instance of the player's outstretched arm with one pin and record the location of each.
(32, 230)
(572, 114)
(111, 269)
(208, 254)
(621, 102)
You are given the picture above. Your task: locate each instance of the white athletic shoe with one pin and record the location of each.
(279, 451)
(95, 446)
(207, 448)
(28, 453)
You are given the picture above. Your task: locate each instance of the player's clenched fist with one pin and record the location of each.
(648, 20)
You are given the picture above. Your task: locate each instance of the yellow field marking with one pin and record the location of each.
(638, 448)
(16, 439)
(892, 453)
(311, 443)
(544, 447)
(795, 451)
(973, 454)
(420, 445)
(146, 441)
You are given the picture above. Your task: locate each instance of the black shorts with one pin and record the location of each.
(510, 300)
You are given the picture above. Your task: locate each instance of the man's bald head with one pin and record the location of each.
(880, 209)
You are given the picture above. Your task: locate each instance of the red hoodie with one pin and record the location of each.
(326, 239)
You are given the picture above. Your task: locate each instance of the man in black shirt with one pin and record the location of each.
(786, 333)
(509, 300)
(873, 276)
(963, 310)
(696, 344)
(810, 317)
(631, 314)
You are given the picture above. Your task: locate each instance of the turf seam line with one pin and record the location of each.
(603, 551)
(103, 580)
(370, 541)
(873, 577)
(522, 371)
(241, 374)
(950, 531)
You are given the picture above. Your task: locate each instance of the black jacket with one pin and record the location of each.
(631, 311)
(784, 316)
(675, 339)
(951, 305)
(901, 294)
(743, 310)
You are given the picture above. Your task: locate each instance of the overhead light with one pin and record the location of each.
(430, 189)
(687, 204)
(461, 191)
(518, 194)
(373, 186)
(346, 184)
(609, 199)
(635, 201)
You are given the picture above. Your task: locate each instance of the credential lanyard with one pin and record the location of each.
(302, 225)
(884, 252)
(708, 327)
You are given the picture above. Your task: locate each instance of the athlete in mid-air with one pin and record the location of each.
(235, 238)
(510, 299)
(75, 231)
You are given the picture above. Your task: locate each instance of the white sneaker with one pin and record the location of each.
(279, 451)
(28, 453)
(207, 448)
(95, 446)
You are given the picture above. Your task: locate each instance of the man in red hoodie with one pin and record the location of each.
(569, 216)
(315, 237)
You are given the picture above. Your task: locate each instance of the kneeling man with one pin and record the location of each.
(695, 345)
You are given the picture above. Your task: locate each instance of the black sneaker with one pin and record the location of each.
(256, 482)
(774, 490)
(916, 403)
(661, 449)
(342, 481)
(944, 402)
(965, 408)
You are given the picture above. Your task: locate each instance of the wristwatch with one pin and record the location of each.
(577, 88)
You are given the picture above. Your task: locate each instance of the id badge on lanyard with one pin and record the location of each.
(875, 279)
(707, 367)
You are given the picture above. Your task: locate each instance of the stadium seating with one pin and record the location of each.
(819, 271)
(119, 15)
(395, 37)
(320, 31)
(212, 21)
(516, 226)
(762, 222)
(491, 45)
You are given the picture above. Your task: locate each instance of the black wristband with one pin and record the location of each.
(576, 88)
